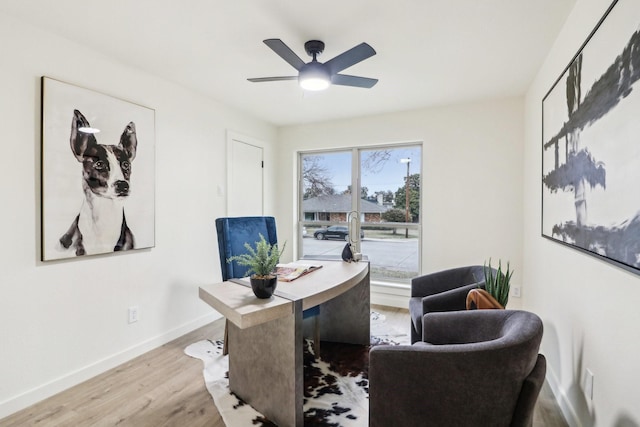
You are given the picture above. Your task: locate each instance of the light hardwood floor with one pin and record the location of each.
(164, 387)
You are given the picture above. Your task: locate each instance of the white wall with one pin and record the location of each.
(589, 308)
(472, 176)
(63, 322)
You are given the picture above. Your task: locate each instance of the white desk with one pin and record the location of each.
(266, 336)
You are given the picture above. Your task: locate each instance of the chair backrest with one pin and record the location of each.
(234, 232)
(445, 280)
(500, 347)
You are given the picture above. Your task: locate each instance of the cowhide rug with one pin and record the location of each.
(336, 385)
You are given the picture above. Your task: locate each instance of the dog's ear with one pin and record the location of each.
(129, 141)
(80, 140)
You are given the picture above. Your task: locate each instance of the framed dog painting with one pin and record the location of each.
(591, 155)
(98, 173)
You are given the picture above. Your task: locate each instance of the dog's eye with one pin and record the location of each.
(126, 165)
(100, 165)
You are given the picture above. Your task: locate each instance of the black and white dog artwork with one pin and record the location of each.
(101, 225)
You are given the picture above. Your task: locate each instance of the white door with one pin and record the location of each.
(244, 185)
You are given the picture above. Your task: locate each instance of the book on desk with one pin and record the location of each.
(291, 271)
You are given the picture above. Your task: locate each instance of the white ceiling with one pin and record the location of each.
(429, 52)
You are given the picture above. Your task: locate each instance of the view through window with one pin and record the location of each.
(381, 187)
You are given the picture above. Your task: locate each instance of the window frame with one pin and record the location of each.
(356, 158)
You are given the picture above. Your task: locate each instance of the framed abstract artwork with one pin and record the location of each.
(591, 154)
(98, 173)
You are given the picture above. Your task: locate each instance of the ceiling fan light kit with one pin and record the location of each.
(313, 76)
(317, 75)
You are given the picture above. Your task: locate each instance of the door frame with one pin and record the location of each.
(239, 137)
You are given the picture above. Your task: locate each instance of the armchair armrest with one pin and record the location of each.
(523, 415)
(451, 300)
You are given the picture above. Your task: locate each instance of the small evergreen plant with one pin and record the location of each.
(498, 284)
(262, 260)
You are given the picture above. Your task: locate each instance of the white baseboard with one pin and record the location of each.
(51, 388)
(566, 408)
(391, 296)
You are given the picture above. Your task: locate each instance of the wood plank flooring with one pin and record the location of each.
(164, 387)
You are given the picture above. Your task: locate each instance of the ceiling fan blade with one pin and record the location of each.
(345, 80)
(285, 53)
(272, 79)
(350, 57)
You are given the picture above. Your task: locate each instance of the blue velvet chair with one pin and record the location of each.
(233, 233)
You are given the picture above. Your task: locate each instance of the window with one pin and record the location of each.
(372, 193)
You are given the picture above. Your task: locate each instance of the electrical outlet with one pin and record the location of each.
(134, 313)
(588, 384)
(515, 291)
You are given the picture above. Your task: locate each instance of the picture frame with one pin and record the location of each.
(97, 173)
(590, 153)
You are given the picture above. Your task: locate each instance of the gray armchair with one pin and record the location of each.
(442, 291)
(475, 368)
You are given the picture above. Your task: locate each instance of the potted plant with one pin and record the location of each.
(496, 291)
(262, 262)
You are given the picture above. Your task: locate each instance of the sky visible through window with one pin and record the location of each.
(387, 175)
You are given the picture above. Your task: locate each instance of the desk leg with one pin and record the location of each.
(346, 318)
(266, 367)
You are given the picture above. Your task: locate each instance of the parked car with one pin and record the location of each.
(334, 232)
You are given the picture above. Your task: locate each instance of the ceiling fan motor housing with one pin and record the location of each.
(314, 47)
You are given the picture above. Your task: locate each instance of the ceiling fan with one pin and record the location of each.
(316, 75)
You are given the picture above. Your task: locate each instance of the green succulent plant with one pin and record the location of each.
(498, 284)
(262, 260)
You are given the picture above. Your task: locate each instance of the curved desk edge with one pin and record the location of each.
(241, 307)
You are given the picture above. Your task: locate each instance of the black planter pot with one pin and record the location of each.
(264, 288)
